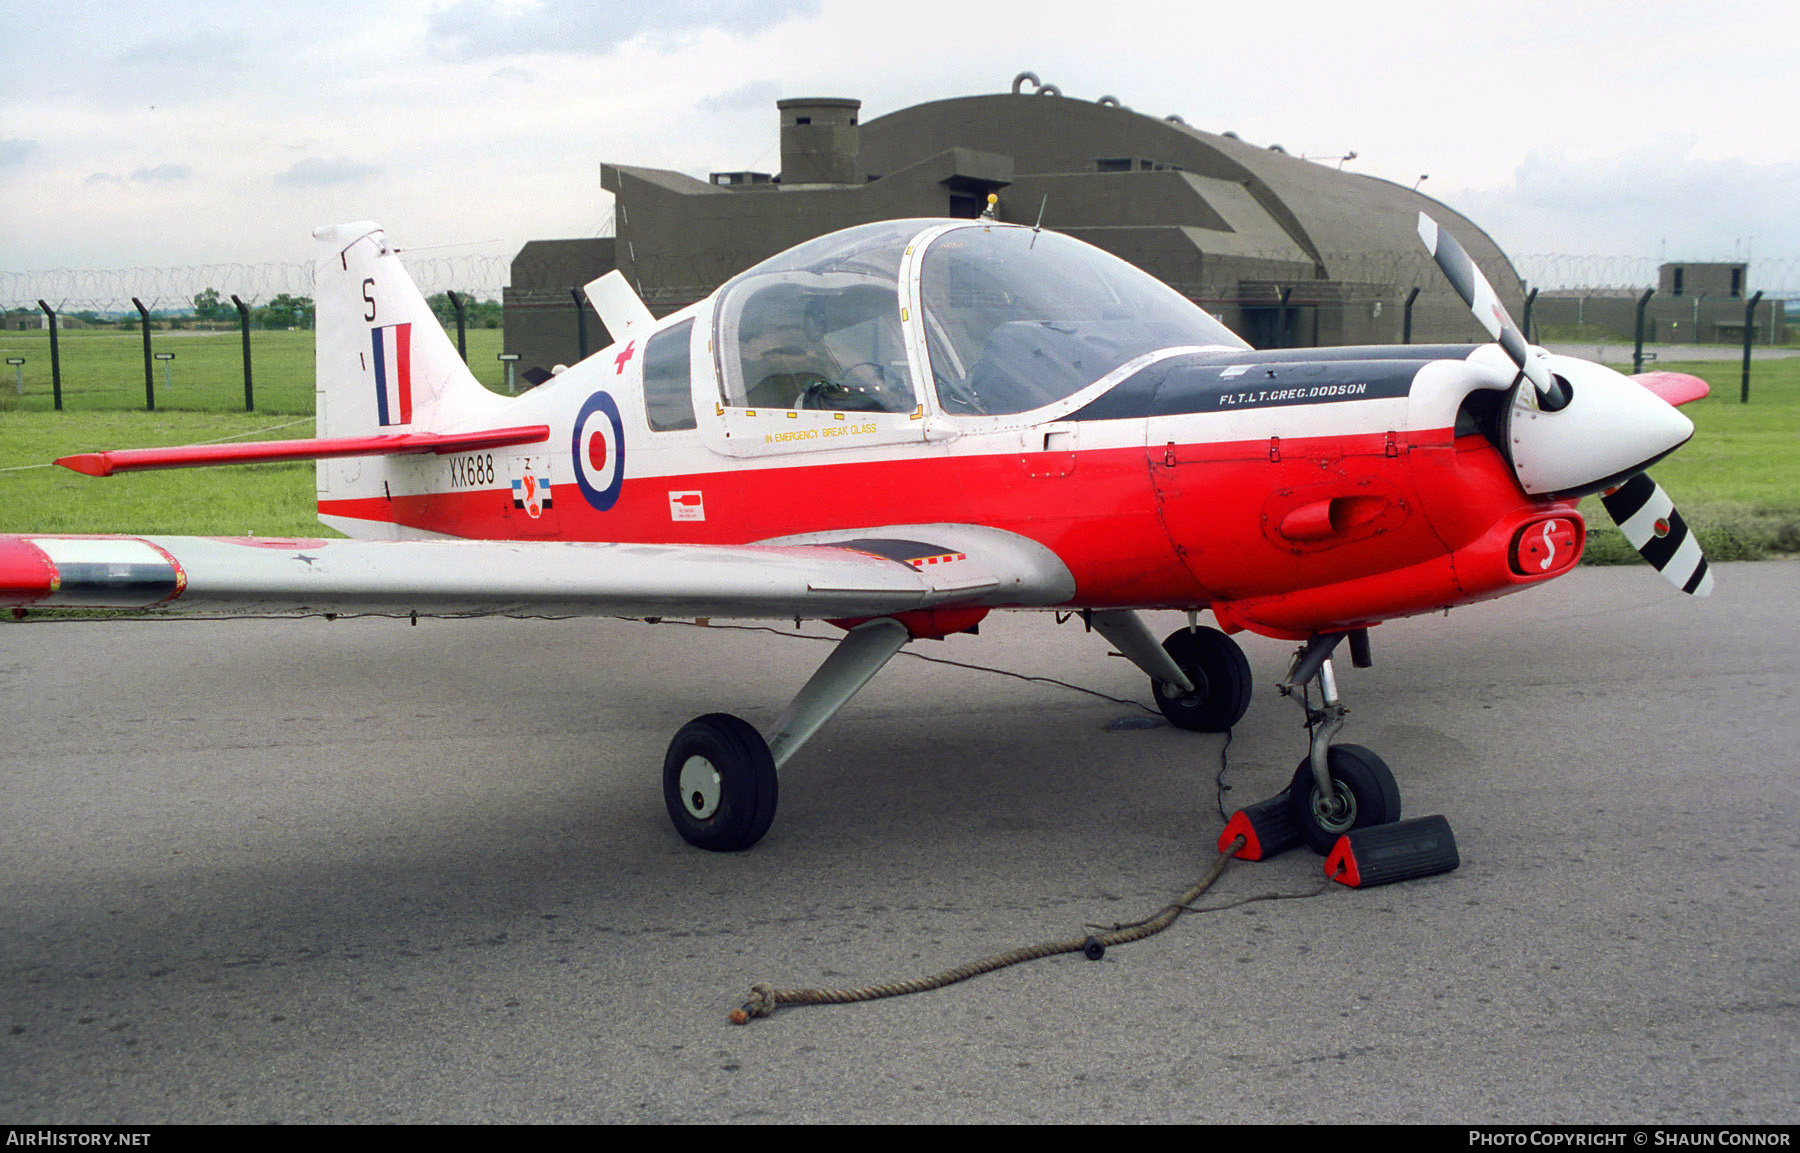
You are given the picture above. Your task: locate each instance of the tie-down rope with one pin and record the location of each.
(765, 998)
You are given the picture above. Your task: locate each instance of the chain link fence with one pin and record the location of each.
(197, 340)
(486, 276)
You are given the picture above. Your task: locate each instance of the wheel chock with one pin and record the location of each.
(1267, 828)
(1383, 854)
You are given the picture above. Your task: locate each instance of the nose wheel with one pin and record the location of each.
(1363, 792)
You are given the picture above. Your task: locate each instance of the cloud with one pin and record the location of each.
(460, 91)
(759, 96)
(163, 53)
(1661, 199)
(314, 172)
(471, 29)
(162, 174)
(175, 70)
(14, 151)
(157, 174)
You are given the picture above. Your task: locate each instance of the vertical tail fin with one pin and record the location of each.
(384, 361)
(384, 365)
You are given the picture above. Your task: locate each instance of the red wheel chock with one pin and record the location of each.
(1383, 854)
(1267, 828)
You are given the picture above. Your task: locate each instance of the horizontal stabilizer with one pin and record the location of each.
(266, 451)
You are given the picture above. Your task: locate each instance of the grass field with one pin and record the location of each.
(103, 370)
(35, 496)
(103, 408)
(1737, 482)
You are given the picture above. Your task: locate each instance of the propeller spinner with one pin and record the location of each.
(1583, 429)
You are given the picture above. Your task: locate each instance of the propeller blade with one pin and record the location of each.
(1459, 268)
(1647, 517)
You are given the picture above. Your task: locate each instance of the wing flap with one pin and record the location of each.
(320, 448)
(975, 564)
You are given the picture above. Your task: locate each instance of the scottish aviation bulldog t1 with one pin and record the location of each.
(900, 428)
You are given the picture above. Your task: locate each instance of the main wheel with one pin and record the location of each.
(1364, 793)
(719, 783)
(1221, 676)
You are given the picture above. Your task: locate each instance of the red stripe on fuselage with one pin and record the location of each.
(1132, 529)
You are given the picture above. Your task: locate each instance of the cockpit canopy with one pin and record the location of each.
(819, 326)
(1011, 319)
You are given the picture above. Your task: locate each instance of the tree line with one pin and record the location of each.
(287, 311)
(284, 311)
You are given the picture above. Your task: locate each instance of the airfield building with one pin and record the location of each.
(1287, 251)
(1694, 302)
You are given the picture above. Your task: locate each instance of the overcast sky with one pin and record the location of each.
(186, 132)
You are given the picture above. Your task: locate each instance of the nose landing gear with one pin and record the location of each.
(1363, 793)
(1337, 787)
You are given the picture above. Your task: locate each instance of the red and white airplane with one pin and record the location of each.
(899, 428)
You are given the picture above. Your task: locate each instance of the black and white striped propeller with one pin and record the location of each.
(1650, 521)
(1582, 428)
(1484, 302)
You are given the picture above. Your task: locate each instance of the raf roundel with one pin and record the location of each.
(598, 449)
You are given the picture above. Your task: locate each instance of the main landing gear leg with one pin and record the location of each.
(719, 775)
(1200, 676)
(1337, 787)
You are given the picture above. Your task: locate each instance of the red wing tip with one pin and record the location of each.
(1676, 388)
(88, 463)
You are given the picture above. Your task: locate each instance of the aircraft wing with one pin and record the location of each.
(875, 573)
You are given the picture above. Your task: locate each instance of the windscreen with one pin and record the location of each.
(1017, 318)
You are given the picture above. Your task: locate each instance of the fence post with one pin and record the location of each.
(244, 324)
(55, 356)
(1406, 320)
(1530, 303)
(149, 375)
(1749, 330)
(1637, 355)
(462, 341)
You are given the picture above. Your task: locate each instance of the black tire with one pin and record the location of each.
(1221, 676)
(1366, 789)
(719, 783)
